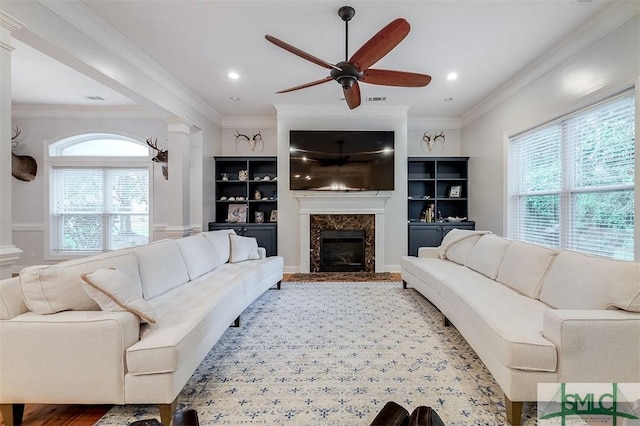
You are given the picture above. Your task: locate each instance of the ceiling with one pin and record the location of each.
(486, 42)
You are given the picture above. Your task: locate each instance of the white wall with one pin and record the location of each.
(601, 68)
(29, 212)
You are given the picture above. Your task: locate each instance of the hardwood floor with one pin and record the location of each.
(71, 415)
(62, 415)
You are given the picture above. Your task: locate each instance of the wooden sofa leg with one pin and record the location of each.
(12, 414)
(236, 323)
(167, 411)
(279, 284)
(445, 321)
(514, 411)
(404, 284)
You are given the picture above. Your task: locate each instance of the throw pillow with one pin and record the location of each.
(113, 291)
(219, 240)
(243, 248)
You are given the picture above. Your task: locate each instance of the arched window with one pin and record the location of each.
(99, 198)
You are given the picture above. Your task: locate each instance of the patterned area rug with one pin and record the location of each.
(344, 277)
(334, 354)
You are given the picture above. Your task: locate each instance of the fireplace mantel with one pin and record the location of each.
(341, 203)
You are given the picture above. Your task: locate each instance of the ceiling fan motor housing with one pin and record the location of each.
(347, 75)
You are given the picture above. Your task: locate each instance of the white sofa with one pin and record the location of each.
(532, 314)
(125, 327)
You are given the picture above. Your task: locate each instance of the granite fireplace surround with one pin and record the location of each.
(341, 222)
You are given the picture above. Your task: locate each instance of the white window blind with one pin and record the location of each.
(97, 209)
(571, 182)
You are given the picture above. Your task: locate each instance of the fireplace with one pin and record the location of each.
(351, 237)
(342, 250)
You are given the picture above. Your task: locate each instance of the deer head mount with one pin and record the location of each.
(431, 141)
(161, 157)
(23, 167)
(254, 141)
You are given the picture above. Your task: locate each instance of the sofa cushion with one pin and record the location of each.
(486, 255)
(243, 248)
(161, 267)
(185, 315)
(581, 281)
(47, 289)
(510, 323)
(198, 255)
(524, 266)
(221, 244)
(114, 291)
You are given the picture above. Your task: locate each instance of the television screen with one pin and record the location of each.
(341, 160)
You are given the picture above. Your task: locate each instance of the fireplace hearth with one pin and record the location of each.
(342, 250)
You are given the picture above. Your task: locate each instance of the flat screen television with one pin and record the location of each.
(346, 160)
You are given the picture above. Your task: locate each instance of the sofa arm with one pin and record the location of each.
(595, 346)
(262, 252)
(75, 357)
(431, 252)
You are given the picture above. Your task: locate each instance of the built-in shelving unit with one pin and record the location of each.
(246, 198)
(437, 195)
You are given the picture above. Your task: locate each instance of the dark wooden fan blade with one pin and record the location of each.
(352, 95)
(380, 44)
(395, 78)
(302, 86)
(301, 53)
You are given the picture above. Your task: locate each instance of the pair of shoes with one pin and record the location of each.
(186, 418)
(393, 414)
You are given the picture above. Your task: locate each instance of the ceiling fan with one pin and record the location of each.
(357, 68)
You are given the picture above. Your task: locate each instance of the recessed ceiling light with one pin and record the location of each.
(234, 98)
(452, 76)
(448, 99)
(233, 75)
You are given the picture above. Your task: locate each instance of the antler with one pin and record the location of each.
(439, 135)
(14, 135)
(240, 135)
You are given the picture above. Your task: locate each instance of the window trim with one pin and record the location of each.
(84, 161)
(567, 188)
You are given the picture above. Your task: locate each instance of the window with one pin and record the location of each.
(98, 194)
(571, 181)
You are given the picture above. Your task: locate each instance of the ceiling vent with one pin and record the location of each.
(94, 98)
(376, 98)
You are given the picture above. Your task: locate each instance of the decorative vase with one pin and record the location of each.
(243, 174)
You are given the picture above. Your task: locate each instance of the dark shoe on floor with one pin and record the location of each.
(186, 418)
(425, 416)
(391, 414)
(146, 422)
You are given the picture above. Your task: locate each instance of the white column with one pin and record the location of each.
(9, 253)
(178, 201)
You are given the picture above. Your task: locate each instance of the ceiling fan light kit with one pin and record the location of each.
(349, 72)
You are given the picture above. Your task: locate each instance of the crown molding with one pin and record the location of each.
(342, 111)
(444, 123)
(603, 23)
(85, 20)
(244, 122)
(79, 111)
